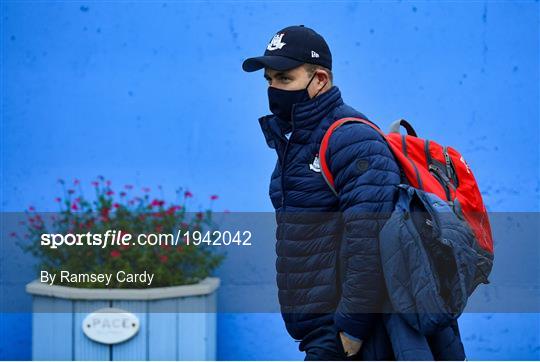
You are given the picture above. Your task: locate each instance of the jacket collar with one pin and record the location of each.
(306, 116)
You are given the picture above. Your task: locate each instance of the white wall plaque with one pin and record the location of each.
(110, 325)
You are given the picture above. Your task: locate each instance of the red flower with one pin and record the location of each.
(116, 205)
(214, 197)
(31, 208)
(157, 202)
(172, 209)
(179, 249)
(57, 199)
(122, 194)
(74, 206)
(163, 258)
(188, 194)
(95, 183)
(109, 193)
(199, 215)
(115, 253)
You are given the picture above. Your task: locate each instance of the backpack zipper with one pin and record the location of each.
(450, 169)
(435, 171)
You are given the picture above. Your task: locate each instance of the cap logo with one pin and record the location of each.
(276, 42)
(314, 54)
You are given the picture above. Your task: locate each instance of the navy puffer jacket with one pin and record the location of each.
(328, 265)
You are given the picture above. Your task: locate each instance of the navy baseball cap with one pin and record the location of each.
(291, 47)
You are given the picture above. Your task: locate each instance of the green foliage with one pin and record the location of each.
(171, 264)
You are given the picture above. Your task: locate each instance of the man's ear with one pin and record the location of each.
(323, 79)
(322, 76)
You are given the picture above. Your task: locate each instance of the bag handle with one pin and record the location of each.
(394, 127)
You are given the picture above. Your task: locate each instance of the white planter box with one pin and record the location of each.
(175, 323)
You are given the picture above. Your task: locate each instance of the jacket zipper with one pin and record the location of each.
(283, 206)
(285, 161)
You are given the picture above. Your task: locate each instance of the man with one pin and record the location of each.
(323, 280)
(331, 287)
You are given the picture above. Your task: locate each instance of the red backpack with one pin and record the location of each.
(431, 167)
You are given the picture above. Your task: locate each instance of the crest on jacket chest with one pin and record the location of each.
(315, 165)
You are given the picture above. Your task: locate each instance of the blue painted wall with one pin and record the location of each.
(153, 94)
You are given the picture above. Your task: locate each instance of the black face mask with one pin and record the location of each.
(281, 101)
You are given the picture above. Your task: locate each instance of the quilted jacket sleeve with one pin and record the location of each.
(365, 175)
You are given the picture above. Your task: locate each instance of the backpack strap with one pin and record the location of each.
(325, 170)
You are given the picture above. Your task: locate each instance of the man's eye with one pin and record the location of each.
(284, 79)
